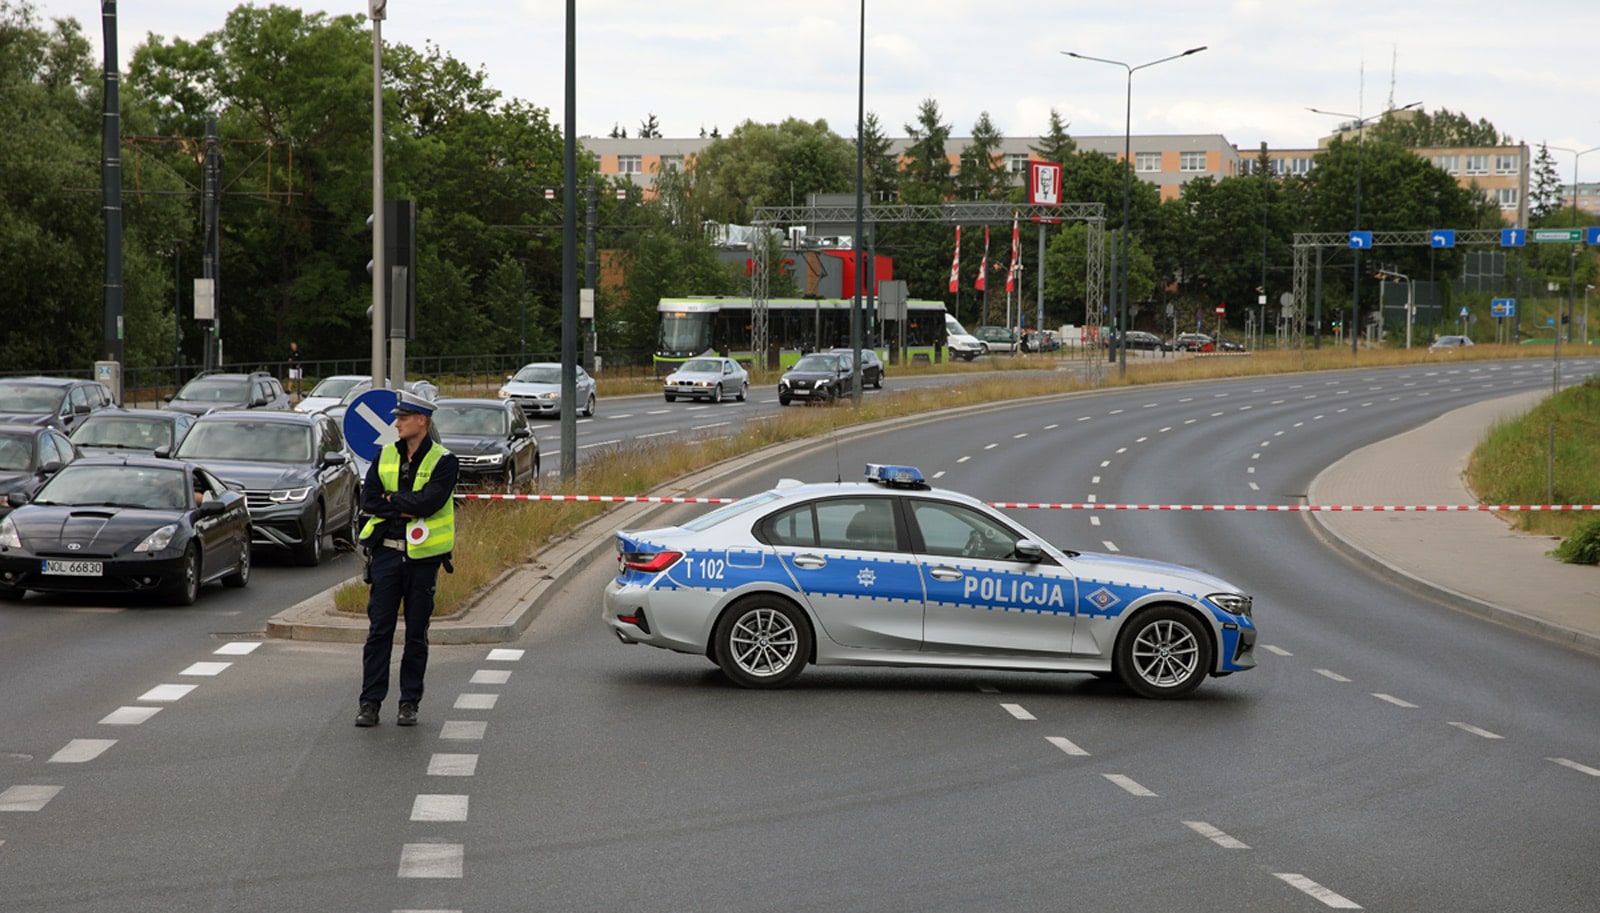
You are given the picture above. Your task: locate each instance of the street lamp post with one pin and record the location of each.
(1355, 272)
(1572, 269)
(1411, 300)
(1127, 189)
(177, 312)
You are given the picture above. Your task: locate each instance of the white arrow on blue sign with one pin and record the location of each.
(1442, 237)
(1513, 237)
(369, 422)
(1361, 240)
(1591, 235)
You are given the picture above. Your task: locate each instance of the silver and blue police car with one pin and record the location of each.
(892, 572)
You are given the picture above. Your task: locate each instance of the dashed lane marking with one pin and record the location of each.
(1130, 785)
(1482, 733)
(78, 751)
(490, 677)
(1580, 768)
(476, 701)
(1328, 898)
(166, 693)
(1394, 700)
(505, 655)
(1067, 746)
(129, 716)
(27, 798)
(464, 730)
(1216, 836)
(428, 807)
(1017, 711)
(452, 765)
(237, 648)
(1327, 673)
(431, 860)
(205, 669)
(1278, 650)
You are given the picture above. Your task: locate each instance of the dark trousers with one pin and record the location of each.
(395, 581)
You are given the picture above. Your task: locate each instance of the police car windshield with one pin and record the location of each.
(729, 511)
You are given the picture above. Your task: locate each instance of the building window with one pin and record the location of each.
(1450, 164)
(1017, 163)
(1300, 166)
(1477, 164)
(1507, 164)
(630, 164)
(1507, 197)
(1146, 161)
(671, 163)
(1191, 161)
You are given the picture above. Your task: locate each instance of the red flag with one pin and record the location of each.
(1011, 274)
(983, 268)
(955, 265)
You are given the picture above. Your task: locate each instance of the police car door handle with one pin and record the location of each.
(945, 573)
(810, 562)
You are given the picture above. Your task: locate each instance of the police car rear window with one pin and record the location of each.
(729, 511)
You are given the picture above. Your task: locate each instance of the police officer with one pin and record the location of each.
(409, 536)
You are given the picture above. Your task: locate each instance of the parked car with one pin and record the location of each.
(140, 430)
(330, 391)
(128, 524)
(1449, 343)
(1190, 342)
(298, 476)
(872, 372)
(59, 402)
(29, 456)
(1040, 341)
(537, 389)
(491, 440)
(1138, 339)
(820, 377)
(998, 339)
(709, 377)
(959, 343)
(892, 572)
(212, 391)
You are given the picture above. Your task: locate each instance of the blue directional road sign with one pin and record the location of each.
(1513, 237)
(1591, 235)
(1442, 237)
(1503, 307)
(1361, 240)
(369, 422)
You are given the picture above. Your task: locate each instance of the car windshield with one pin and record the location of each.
(817, 363)
(539, 374)
(31, 398)
(336, 387)
(215, 390)
(254, 441)
(16, 452)
(149, 487)
(702, 366)
(123, 433)
(470, 422)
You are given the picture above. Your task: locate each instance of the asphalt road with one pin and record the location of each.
(1389, 754)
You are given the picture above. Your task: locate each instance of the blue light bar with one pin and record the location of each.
(893, 476)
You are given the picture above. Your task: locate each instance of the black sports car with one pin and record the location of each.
(816, 378)
(126, 525)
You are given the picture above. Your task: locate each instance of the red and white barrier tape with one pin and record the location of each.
(1032, 505)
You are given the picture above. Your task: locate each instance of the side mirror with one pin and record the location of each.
(164, 452)
(17, 498)
(258, 402)
(1029, 551)
(167, 398)
(211, 508)
(50, 468)
(518, 434)
(337, 458)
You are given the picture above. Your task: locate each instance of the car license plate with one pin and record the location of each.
(74, 568)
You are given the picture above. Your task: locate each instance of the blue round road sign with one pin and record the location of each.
(369, 422)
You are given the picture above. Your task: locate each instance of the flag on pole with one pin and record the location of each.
(983, 268)
(955, 265)
(1016, 238)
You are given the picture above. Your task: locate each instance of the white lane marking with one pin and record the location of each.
(1250, 471)
(658, 433)
(504, 655)
(1394, 700)
(939, 474)
(1067, 746)
(1163, 430)
(712, 425)
(623, 415)
(78, 751)
(1110, 546)
(1317, 891)
(1190, 421)
(1254, 487)
(387, 433)
(439, 808)
(1149, 405)
(27, 798)
(1017, 711)
(129, 716)
(1017, 437)
(452, 765)
(963, 459)
(1094, 521)
(1122, 450)
(237, 648)
(431, 860)
(205, 669)
(1256, 455)
(1092, 498)
(611, 443)
(1187, 399)
(476, 701)
(464, 730)
(1104, 463)
(1484, 733)
(658, 412)
(166, 693)
(1094, 480)
(1085, 418)
(1141, 440)
(1580, 768)
(1216, 836)
(1052, 426)
(1330, 674)
(1278, 650)
(1215, 414)
(1129, 784)
(1115, 412)
(490, 677)
(990, 446)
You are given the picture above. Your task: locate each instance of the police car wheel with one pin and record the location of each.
(763, 642)
(1163, 652)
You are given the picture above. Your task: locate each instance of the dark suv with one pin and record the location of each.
(59, 402)
(298, 477)
(210, 392)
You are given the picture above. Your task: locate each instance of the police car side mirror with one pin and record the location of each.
(1029, 551)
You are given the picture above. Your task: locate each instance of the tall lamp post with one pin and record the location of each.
(1572, 272)
(1127, 190)
(1355, 272)
(177, 312)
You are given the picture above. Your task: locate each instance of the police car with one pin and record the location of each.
(891, 572)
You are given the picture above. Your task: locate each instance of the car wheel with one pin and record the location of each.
(241, 575)
(1163, 652)
(348, 536)
(877, 381)
(187, 589)
(716, 394)
(763, 642)
(508, 485)
(744, 391)
(12, 594)
(309, 554)
(670, 397)
(588, 410)
(825, 396)
(783, 400)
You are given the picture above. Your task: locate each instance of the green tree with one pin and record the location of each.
(1055, 145)
(882, 176)
(1544, 198)
(927, 170)
(772, 165)
(982, 175)
(1441, 128)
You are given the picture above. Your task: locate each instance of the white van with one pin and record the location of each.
(961, 344)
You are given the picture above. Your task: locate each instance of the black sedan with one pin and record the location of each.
(871, 366)
(115, 431)
(126, 525)
(491, 440)
(816, 378)
(1138, 339)
(29, 456)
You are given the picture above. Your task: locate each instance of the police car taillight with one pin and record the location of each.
(649, 562)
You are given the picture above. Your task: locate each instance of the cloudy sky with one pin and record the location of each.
(697, 64)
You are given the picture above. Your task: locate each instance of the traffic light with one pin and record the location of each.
(400, 257)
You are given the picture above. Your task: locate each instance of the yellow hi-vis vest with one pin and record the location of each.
(440, 527)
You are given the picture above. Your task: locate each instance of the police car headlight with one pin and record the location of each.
(158, 540)
(1232, 603)
(289, 495)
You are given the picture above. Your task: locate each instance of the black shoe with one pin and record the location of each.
(408, 715)
(368, 716)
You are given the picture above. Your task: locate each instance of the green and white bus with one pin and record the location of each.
(697, 325)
